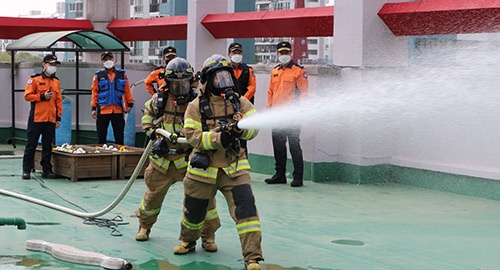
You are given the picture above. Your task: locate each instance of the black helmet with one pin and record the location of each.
(179, 74)
(214, 63)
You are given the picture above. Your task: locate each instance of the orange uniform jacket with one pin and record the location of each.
(44, 110)
(252, 82)
(127, 96)
(288, 85)
(153, 77)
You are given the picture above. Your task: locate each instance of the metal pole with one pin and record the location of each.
(13, 98)
(77, 100)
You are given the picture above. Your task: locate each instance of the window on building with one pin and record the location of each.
(138, 6)
(312, 52)
(312, 41)
(263, 7)
(79, 10)
(154, 6)
(283, 5)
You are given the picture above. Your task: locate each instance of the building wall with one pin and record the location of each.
(440, 113)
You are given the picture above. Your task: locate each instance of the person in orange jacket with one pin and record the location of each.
(246, 82)
(43, 90)
(245, 78)
(288, 85)
(154, 77)
(111, 97)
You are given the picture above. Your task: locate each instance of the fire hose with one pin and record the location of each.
(71, 254)
(122, 194)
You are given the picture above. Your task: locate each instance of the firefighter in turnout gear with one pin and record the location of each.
(156, 76)
(167, 163)
(217, 162)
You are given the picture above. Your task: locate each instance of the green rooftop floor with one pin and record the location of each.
(317, 227)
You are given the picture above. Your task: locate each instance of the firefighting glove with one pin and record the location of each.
(236, 131)
(159, 147)
(150, 132)
(225, 139)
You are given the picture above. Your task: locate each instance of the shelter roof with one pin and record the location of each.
(83, 39)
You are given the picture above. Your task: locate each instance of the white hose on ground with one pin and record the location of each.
(122, 194)
(74, 255)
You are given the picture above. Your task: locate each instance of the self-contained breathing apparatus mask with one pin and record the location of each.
(221, 81)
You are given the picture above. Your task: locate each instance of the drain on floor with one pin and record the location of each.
(348, 242)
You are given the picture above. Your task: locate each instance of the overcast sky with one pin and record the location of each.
(14, 8)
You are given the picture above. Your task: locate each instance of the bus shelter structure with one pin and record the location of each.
(83, 40)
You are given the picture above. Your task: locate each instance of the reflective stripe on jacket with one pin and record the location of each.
(171, 121)
(209, 142)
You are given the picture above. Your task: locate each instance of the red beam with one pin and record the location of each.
(16, 28)
(303, 22)
(164, 28)
(433, 17)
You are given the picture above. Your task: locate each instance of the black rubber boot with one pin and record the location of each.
(276, 179)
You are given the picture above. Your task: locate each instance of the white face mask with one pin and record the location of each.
(109, 64)
(285, 59)
(51, 70)
(236, 58)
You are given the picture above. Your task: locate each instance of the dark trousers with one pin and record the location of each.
(280, 137)
(102, 124)
(48, 132)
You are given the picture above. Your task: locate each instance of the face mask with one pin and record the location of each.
(237, 58)
(51, 70)
(285, 59)
(108, 64)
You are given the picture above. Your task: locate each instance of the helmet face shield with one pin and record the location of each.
(222, 79)
(179, 87)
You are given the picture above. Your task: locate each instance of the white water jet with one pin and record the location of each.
(443, 108)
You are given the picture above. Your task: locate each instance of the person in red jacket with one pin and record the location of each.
(43, 90)
(154, 77)
(111, 97)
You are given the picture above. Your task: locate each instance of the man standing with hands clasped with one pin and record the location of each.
(43, 90)
(288, 85)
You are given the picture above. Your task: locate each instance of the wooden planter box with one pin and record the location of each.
(81, 166)
(127, 161)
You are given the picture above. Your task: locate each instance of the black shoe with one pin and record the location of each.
(276, 180)
(49, 175)
(297, 182)
(26, 175)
